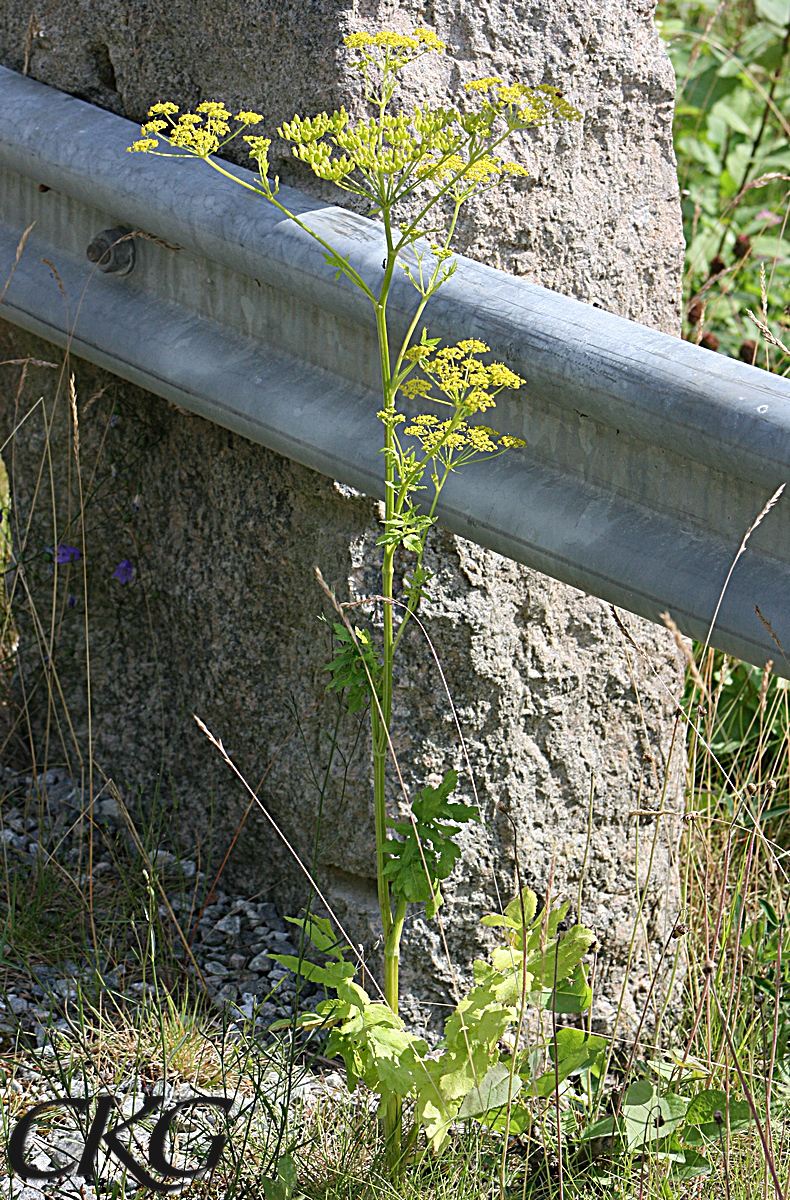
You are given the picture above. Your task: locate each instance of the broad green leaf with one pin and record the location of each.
(682, 1064)
(605, 1127)
(703, 1106)
(273, 1189)
(756, 41)
(647, 1116)
(778, 160)
(733, 119)
(286, 1171)
(330, 975)
(507, 959)
(576, 1044)
(776, 11)
(492, 1092)
(700, 1125)
(639, 1093)
(519, 1121)
(673, 1108)
(692, 1166)
(520, 913)
(559, 958)
(754, 934)
(706, 89)
(320, 932)
(572, 996)
(771, 247)
(544, 929)
(701, 152)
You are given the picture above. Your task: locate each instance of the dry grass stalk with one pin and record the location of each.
(685, 649)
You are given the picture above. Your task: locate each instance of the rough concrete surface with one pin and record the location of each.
(221, 617)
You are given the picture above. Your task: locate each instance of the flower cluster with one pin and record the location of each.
(435, 435)
(391, 144)
(518, 104)
(388, 51)
(201, 133)
(418, 41)
(469, 384)
(469, 175)
(382, 158)
(463, 383)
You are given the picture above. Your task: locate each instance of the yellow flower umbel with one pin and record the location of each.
(386, 157)
(200, 133)
(443, 154)
(453, 376)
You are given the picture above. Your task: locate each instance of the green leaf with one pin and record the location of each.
(733, 119)
(703, 1106)
(754, 934)
(320, 932)
(519, 1122)
(649, 1117)
(576, 1051)
(604, 1127)
(330, 976)
(572, 995)
(286, 1170)
(492, 1092)
(776, 11)
(771, 247)
(284, 1186)
(426, 852)
(348, 666)
(520, 913)
(700, 1125)
(699, 94)
(692, 1166)
(556, 962)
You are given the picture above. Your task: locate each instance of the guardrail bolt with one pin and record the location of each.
(113, 251)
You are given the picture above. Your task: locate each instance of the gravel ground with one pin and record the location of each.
(231, 942)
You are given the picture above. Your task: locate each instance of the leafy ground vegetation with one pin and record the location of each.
(732, 140)
(127, 971)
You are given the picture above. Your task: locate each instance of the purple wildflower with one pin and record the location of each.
(770, 218)
(72, 600)
(67, 554)
(124, 572)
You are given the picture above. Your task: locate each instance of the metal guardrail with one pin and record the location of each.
(647, 457)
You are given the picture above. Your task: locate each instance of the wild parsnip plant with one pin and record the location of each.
(415, 168)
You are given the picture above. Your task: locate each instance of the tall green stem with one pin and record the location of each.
(393, 1110)
(392, 928)
(381, 718)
